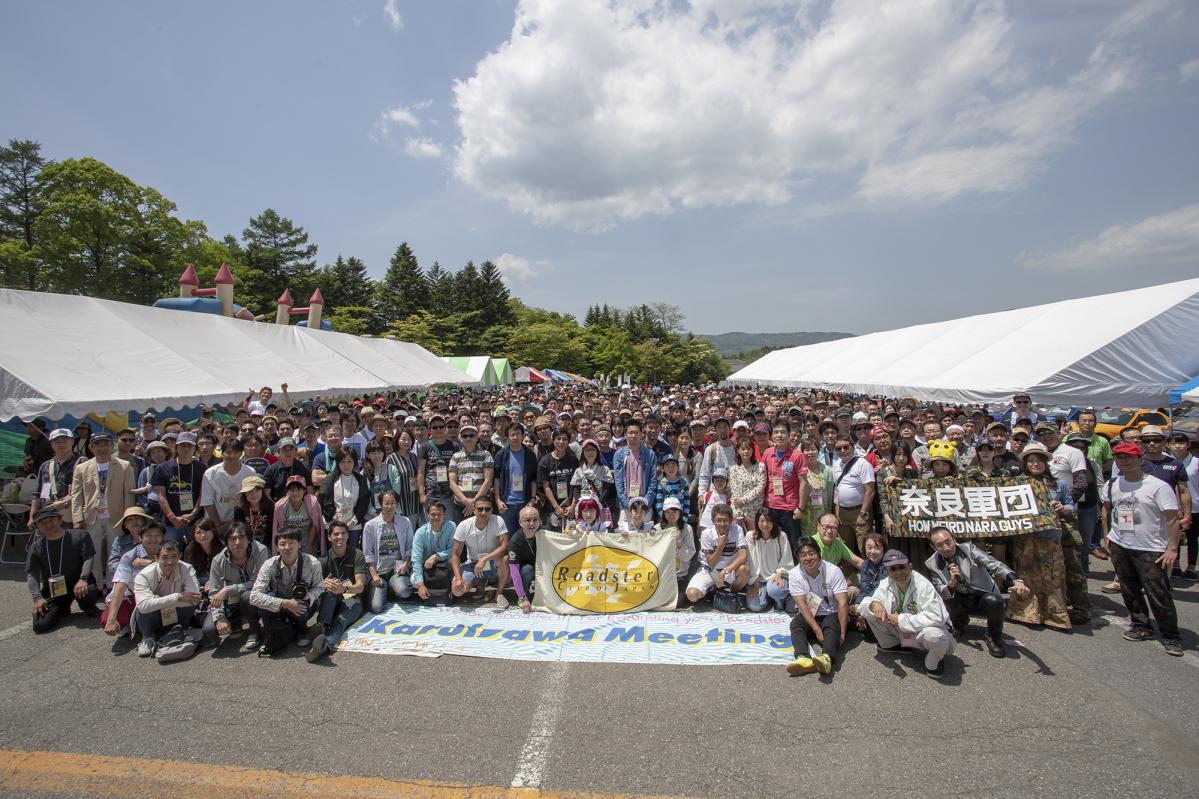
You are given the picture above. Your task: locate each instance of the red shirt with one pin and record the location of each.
(783, 472)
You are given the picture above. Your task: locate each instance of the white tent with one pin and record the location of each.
(66, 355)
(1125, 349)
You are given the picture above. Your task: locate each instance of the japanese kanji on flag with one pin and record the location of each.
(969, 507)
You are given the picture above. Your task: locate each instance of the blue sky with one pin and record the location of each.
(765, 165)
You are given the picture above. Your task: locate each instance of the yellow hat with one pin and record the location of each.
(942, 451)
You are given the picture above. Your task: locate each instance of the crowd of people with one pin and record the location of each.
(279, 521)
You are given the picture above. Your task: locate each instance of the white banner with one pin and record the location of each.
(605, 572)
(681, 638)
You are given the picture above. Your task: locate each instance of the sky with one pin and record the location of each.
(854, 165)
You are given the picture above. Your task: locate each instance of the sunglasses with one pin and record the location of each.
(1152, 440)
(469, 435)
(843, 449)
(898, 568)
(1024, 402)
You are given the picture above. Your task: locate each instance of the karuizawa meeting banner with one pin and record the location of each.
(969, 507)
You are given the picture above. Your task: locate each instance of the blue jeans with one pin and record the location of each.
(1088, 528)
(183, 535)
(400, 585)
(468, 573)
(511, 516)
(770, 595)
(150, 624)
(337, 614)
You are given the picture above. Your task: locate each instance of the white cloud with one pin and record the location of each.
(391, 13)
(401, 116)
(598, 111)
(1169, 238)
(422, 148)
(517, 268)
(1189, 71)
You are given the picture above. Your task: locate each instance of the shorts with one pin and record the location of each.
(704, 580)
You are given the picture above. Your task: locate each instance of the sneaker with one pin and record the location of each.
(318, 650)
(1173, 647)
(995, 648)
(251, 645)
(801, 665)
(501, 602)
(1137, 634)
(892, 648)
(1189, 574)
(824, 664)
(938, 672)
(1111, 588)
(145, 649)
(1176, 572)
(303, 641)
(264, 651)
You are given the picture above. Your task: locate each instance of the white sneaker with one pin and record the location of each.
(501, 602)
(145, 649)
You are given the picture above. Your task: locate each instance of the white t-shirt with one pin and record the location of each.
(255, 407)
(851, 492)
(1138, 519)
(824, 586)
(1191, 465)
(221, 489)
(707, 545)
(480, 542)
(1066, 461)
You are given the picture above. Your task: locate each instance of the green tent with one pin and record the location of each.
(488, 371)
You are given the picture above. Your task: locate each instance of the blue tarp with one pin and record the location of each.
(1176, 393)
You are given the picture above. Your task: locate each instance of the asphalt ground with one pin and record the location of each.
(1068, 714)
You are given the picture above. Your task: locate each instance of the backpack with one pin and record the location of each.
(724, 601)
(278, 634)
(177, 643)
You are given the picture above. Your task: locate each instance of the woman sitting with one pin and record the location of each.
(769, 562)
(298, 511)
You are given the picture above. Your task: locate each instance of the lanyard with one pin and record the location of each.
(62, 544)
(900, 596)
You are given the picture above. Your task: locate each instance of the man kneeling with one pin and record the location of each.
(345, 579)
(968, 579)
(905, 611)
(167, 593)
(480, 550)
(723, 557)
(288, 588)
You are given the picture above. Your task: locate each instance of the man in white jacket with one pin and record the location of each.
(166, 593)
(905, 611)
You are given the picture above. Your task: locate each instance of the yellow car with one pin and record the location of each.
(1111, 421)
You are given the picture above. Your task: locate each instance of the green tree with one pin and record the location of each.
(441, 290)
(494, 296)
(609, 350)
(103, 235)
(280, 250)
(403, 290)
(353, 319)
(21, 202)
(548, 345)
(425, 329)
(465, 294)
(345, 282)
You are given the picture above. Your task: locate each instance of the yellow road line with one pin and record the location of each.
(137, 778)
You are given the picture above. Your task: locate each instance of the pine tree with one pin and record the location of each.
(591, 319)
(494, 296)
(21, 202)
(403, 291)
(280, 250)
(345, 283)
(440, 285)
(466, 293)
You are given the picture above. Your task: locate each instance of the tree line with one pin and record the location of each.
(78, 226)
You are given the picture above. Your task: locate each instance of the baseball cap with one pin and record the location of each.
(186, 438)
(286, 442)
(740, 424)
(859, 419)
(1127, 448)
(876, 430)
(720, 471)
(672, 502)
(45, 513)
(670, 456)
(893, 557)
(252, 482)
(296, 479)
(761, 427)
(1045, 427)
(638, 501)
(101, 435)
(61, 432)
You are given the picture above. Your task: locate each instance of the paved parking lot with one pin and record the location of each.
(1084, 713)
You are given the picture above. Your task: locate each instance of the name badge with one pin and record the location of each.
(1124, 520)
(562, 489)
(441, 474)
(467, 481)
(814, 602)
(232, 599)
(186, 505)
(518, 483)
(45, 490)
(634, 489)
(170, 617)
(58, 586)
(776, 486)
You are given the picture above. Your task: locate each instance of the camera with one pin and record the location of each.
(300, 590)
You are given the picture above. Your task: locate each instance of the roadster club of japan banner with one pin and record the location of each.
(581, 573)
(969, 508)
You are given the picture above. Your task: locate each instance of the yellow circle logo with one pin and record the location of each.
(600, 579)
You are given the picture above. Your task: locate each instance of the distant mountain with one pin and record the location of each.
(737, 342)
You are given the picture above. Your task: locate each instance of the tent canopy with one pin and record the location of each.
(483, 368)
(1124, 349)
(71, 356)
(527, 374)
(1187, 392)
